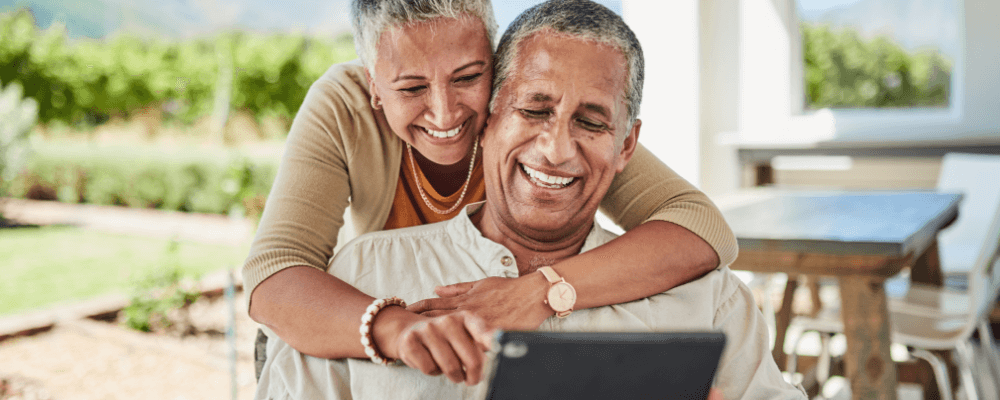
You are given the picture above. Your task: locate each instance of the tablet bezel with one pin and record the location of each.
(626, 363)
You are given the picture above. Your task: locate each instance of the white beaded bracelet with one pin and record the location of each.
(366, 328)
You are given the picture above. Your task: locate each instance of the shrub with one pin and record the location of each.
(17, 116)
(844, 70)
(160, 295)
(218, 181)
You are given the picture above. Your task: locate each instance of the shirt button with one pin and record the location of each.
(506, 261)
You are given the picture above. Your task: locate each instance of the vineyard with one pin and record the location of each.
(86, 81)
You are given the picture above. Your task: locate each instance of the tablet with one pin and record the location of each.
(578, 365)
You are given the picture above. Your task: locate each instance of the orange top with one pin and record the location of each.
(408, 209)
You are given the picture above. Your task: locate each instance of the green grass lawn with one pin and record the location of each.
(48, 265)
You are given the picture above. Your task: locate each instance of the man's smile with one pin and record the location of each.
(545, 180)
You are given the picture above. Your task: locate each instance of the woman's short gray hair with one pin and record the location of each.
(580, 18)
(369, 18)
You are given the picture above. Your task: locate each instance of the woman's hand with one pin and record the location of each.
(504, 303)
(452, 344)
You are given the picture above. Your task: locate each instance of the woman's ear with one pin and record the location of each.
(485, 135)
(375, 100)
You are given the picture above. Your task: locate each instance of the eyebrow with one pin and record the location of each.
(598, 109)
(418, 77)
(540, 97)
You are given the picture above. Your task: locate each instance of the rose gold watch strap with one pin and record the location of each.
(550, 274)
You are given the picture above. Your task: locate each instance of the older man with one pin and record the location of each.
(563, 123)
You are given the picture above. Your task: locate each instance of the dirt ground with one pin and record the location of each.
(89, 359)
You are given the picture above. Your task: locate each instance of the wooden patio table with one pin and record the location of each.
(861, 238)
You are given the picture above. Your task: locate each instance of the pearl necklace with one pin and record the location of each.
(465, 187)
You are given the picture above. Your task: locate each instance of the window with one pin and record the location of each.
(774, 78)
(878, 53)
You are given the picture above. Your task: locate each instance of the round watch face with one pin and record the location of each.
(562, 296)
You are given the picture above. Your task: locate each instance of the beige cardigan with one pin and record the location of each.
(340, 153)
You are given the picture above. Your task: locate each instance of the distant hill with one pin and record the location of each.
(186, 18)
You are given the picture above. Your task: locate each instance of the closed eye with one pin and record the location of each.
(591, 125)
(469, 78)
(535, 114)
(413, 89)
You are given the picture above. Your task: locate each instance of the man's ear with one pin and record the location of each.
(492, 121)
(629, 145)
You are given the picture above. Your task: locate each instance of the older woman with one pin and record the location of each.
(396, 139)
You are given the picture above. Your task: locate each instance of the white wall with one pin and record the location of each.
(668, 32)
(692, 90)
(982, 68)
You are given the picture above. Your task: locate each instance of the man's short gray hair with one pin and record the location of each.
(580, 18)
(369, 18)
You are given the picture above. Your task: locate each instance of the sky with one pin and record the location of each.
(812, 9)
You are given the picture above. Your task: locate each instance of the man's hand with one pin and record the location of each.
(452, 344)
(504, 303)
(715, 394)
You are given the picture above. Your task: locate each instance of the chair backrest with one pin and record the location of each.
(975, 176)
(984, 279)
(972, 243)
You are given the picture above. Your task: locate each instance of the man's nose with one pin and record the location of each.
(556, 144)
(443, 110)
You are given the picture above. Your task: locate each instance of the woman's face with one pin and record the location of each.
(433, 80)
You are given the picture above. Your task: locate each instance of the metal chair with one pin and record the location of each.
(939, 318)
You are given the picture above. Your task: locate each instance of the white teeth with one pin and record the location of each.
(444, 134)
(546, 180)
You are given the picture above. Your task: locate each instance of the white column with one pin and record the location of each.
(668, 32)
(720, 95)
(766, 57)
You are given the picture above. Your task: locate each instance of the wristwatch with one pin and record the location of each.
(561, 296)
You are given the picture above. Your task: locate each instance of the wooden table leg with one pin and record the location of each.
(927, 268)
(868, 363)
(782, 320)
(763, 174)
(817, 302)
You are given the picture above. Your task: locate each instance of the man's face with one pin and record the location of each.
(557, 136)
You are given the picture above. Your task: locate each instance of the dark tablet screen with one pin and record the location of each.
(576, 365)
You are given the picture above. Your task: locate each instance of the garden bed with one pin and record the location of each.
(92, 359)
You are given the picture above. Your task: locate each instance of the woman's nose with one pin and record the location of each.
(443, 110)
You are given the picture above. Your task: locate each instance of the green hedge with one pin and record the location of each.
(219, 180)
(86, 81)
